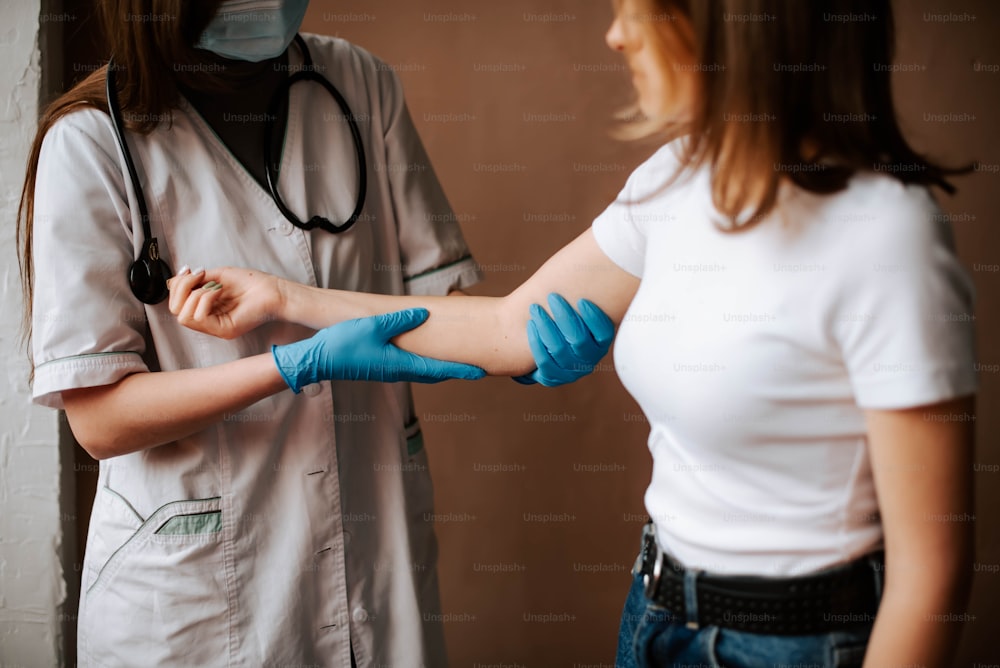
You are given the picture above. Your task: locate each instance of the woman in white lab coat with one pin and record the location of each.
(794, 323)
(234, 525)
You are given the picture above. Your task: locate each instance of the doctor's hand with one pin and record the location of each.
(250, 299)
(567, 347)
(361, 350)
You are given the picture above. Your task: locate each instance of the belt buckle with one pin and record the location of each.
(652, 561)
(651, 581)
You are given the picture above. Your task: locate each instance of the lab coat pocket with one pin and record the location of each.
(414, 438)
(113, 522)
(164, 585)
(417, 477)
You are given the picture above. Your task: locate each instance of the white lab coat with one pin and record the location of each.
(280, 534)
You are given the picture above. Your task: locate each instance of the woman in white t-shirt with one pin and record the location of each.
(794, 323)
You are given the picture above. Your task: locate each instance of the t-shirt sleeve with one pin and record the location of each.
(434, 253)
(621, 229)
(87, 327)
(906, 326)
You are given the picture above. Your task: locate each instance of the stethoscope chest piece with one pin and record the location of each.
(148, 275)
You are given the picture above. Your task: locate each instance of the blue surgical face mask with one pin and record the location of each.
(253, 30)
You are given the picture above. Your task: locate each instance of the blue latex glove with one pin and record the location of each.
(360, 350)
(567, 348)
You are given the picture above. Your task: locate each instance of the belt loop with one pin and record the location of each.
(691, 597)
(877, 563)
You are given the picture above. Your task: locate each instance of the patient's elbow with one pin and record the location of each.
(515, 357)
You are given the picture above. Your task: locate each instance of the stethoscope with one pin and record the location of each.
(148, 275)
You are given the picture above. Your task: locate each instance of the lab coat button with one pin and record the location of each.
(285, 228)
(312, 390)
(360, 615)
(347, 538)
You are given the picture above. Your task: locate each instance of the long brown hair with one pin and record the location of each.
(152, 44)
(787, 89)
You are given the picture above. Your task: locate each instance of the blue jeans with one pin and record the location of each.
(650, 637)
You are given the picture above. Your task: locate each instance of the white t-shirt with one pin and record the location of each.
(753, 354)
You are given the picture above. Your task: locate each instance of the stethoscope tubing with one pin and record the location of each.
(149, 273)
(272, 171)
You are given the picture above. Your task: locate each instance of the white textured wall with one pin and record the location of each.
(32, 583)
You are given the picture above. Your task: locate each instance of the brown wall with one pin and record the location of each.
(503, 455)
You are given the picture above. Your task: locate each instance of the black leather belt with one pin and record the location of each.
(842, 597)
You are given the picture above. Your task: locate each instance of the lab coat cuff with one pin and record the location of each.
(457, 275)
(71, 373)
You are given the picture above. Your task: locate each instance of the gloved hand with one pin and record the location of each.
(567, 348)
(360, 350)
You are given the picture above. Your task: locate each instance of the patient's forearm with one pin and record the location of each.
(488, 332)
(483, 331)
